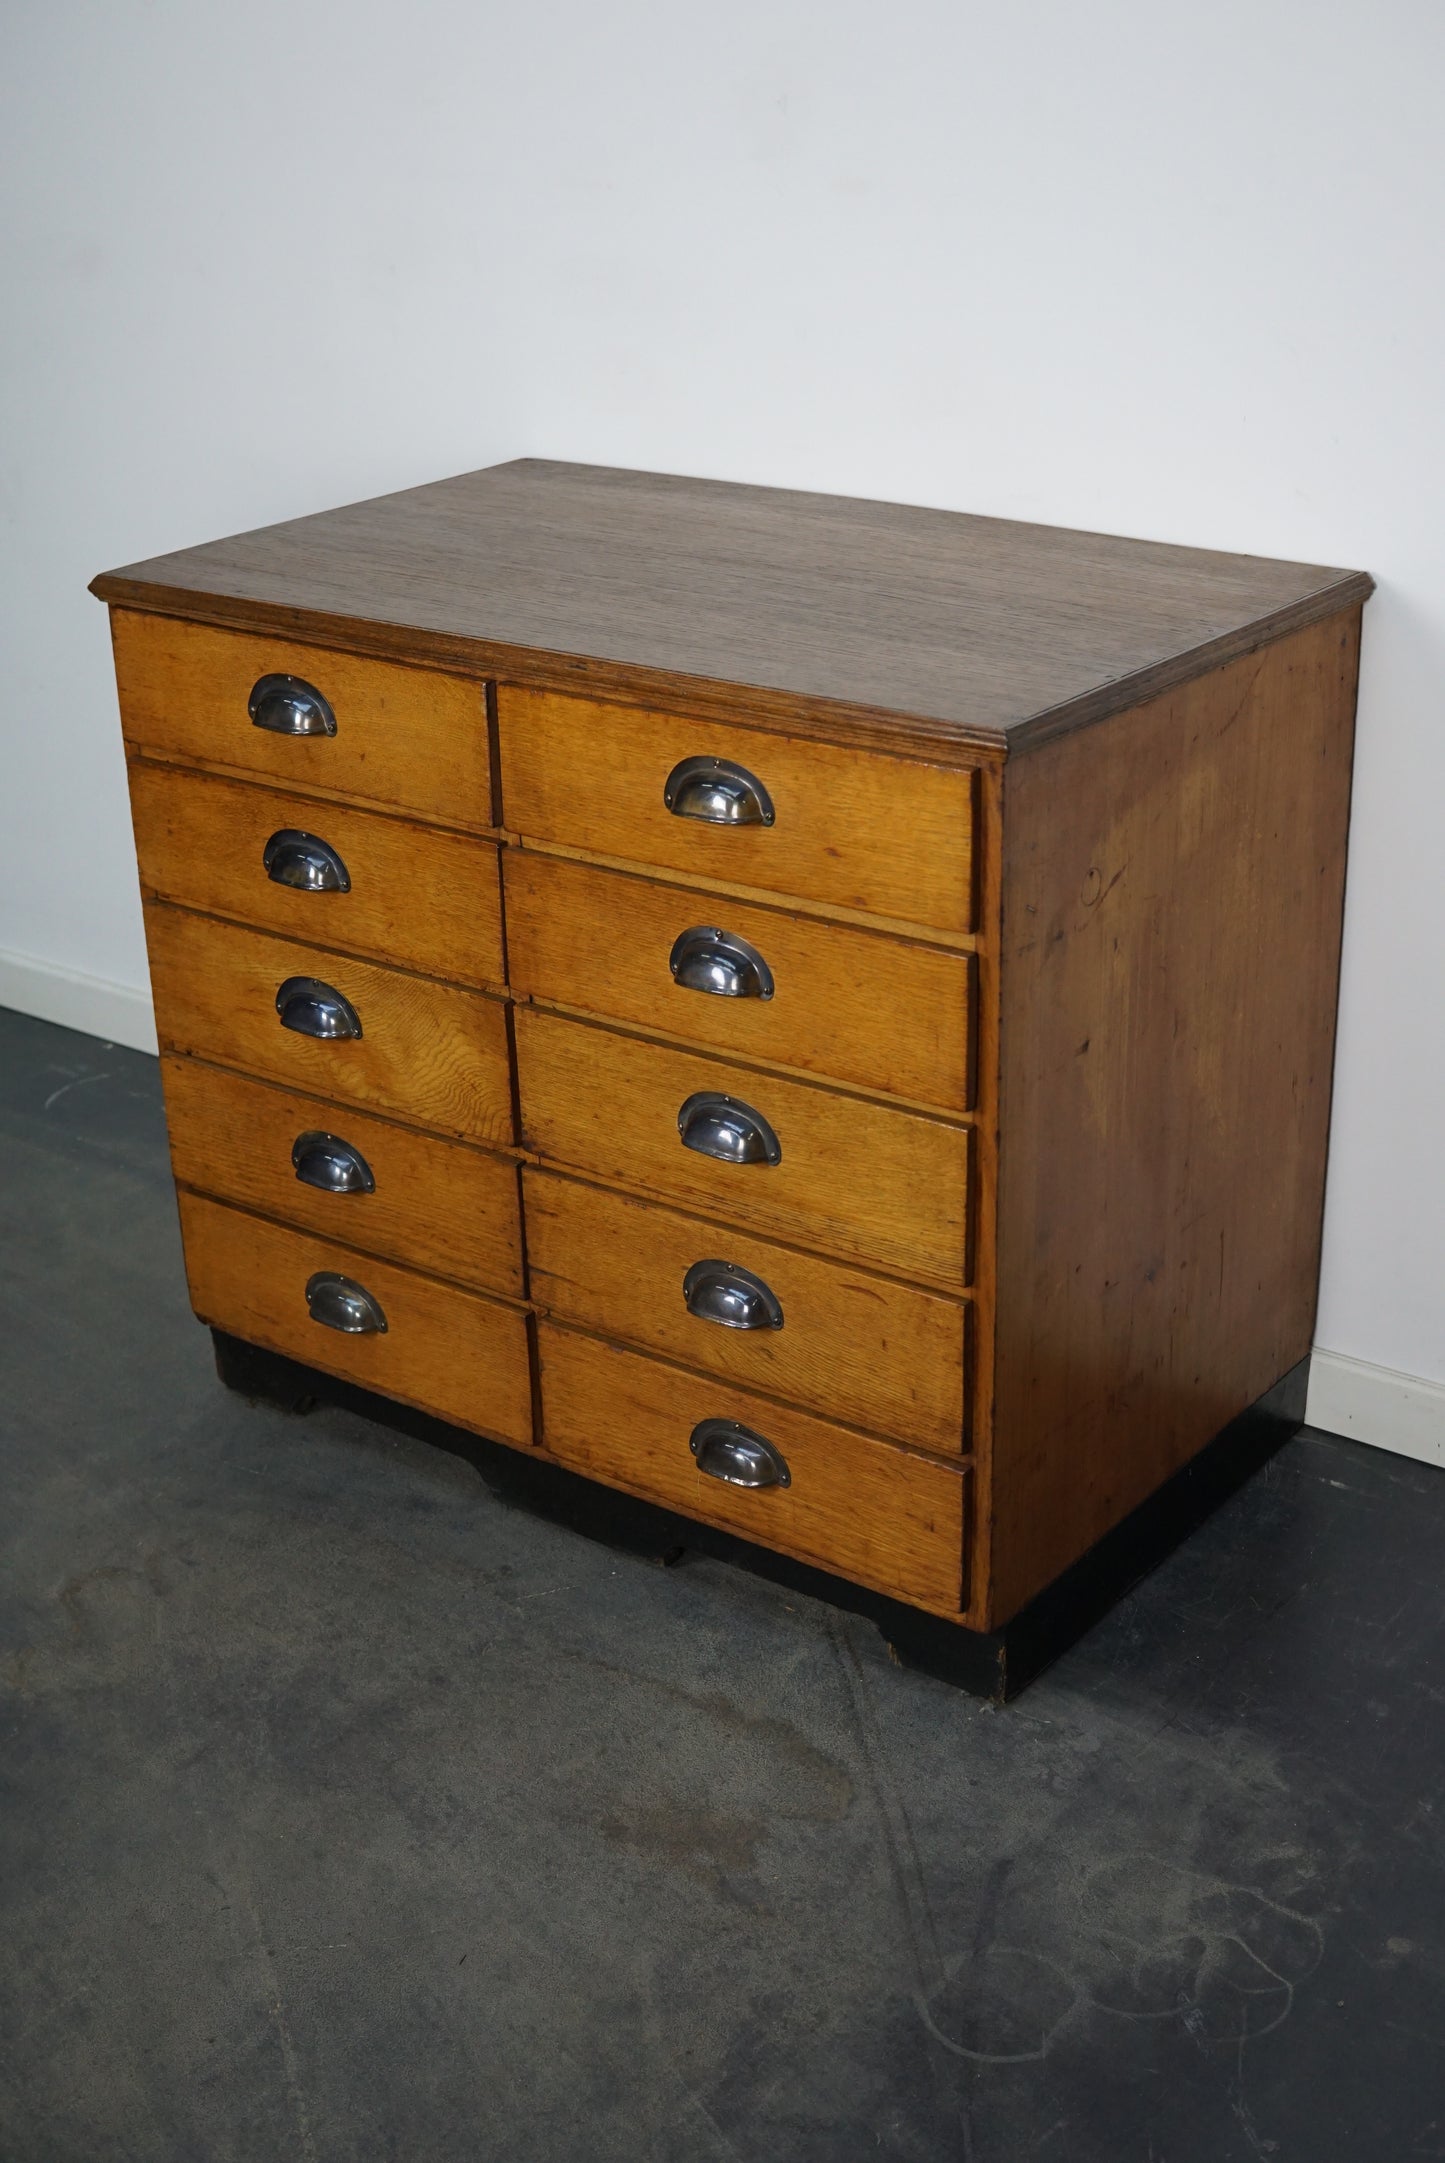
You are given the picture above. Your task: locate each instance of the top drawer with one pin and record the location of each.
(856, 829)
(409, 738)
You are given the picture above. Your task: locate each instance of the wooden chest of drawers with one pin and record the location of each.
(816, 1016)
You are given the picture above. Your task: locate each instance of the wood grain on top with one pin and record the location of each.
(921, 624)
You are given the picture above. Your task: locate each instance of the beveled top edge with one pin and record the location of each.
(932, 631)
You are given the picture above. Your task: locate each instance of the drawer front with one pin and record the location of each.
(886, 1185)
(851, 1347)
(869, 1511)
(454, 1353)
(431, 1052)
(437, 1205)
(852, 828)
(888, 1014)
(408, 894)
(410, 738)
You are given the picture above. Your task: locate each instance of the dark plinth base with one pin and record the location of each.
(996, 1664)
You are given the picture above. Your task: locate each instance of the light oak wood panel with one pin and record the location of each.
(724, 890)
(433, 1053)
(1172, 899)
(852, 1347)
(863, 1179)
(452, 1352)
(410, 738)
(438, 1205)
(893, 837)
(884, 1013)
(874, 1513)
(419, 897)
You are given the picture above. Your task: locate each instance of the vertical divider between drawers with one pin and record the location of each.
(494, 762)
(514, 1072)
(983, 1192)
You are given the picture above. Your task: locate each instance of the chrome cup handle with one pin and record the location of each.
(339, 1302)
(289, 706)
(719, 792)
(730, 1296)
(335, 1166)
(312, 1008)
(726, 1450)
(709, 959)
(293, 858)
(723, 1127)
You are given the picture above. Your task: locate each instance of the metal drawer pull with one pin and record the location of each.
(732, 1297)
(339, 1302)
(288, 706)
(326, 1161)
(721, 1127)
(719, 791)
(727, 1451)
(716, 961)
(292, 858)
(312, 1008)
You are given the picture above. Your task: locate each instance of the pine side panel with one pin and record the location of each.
(1170, 939)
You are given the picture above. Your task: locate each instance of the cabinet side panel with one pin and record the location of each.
(1172, 895)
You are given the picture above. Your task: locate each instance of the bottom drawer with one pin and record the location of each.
(451, 1352)
(864, 1509)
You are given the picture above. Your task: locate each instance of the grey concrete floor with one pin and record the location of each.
(349, 1813)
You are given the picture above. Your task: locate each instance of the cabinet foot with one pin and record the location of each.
(257, 1374)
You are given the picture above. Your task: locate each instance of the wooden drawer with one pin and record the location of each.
(852, 1347)
(410, 738)
(454, 1353)
(888, 1014)
(892, 837)
(441, 1206)
(433, 1053)
(417, 896)
(863, 1178)
(871, 1511)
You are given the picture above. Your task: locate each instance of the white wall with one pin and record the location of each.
(1161, 270)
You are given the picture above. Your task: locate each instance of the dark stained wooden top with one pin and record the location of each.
(926, 628)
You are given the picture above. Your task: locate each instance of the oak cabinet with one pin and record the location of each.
(815, 1016)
